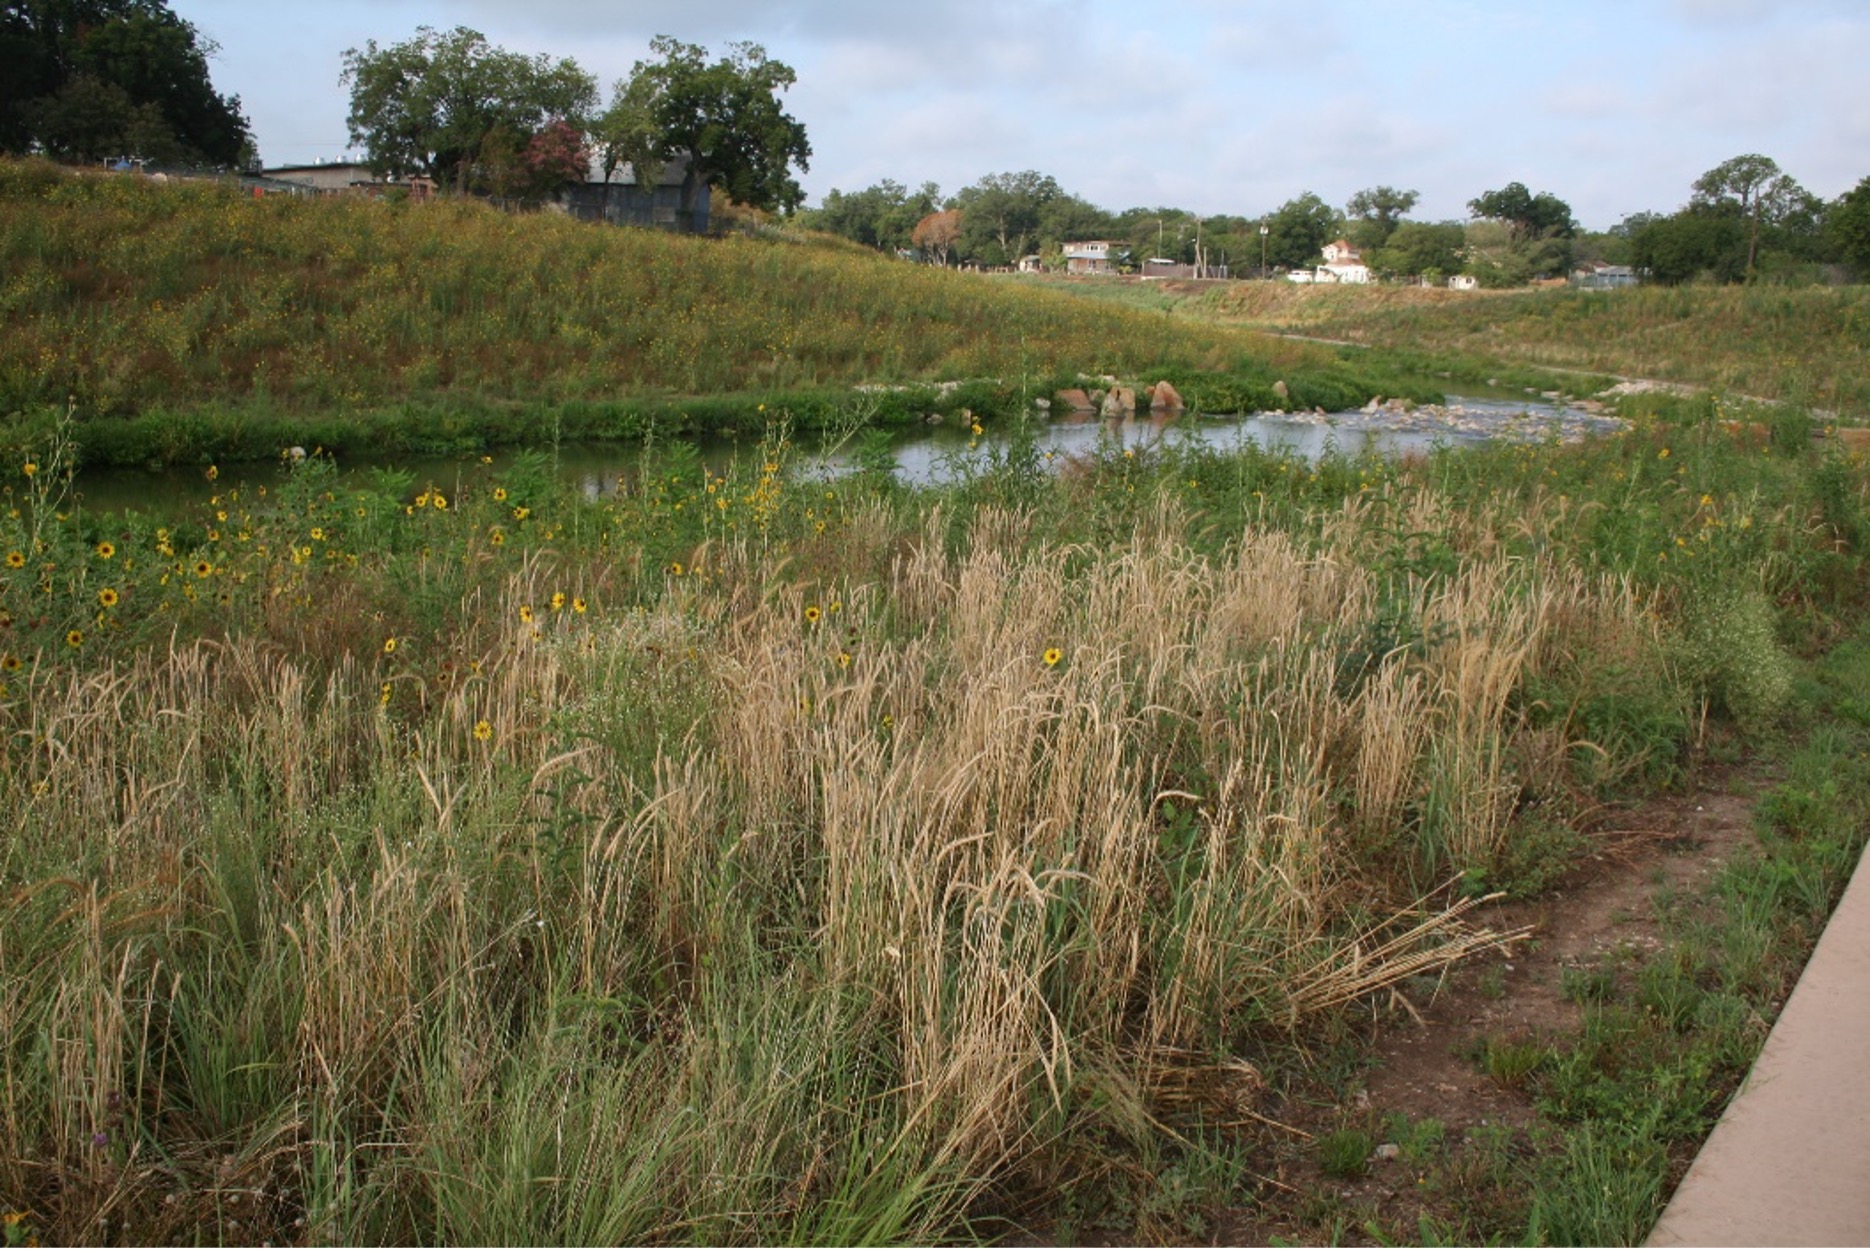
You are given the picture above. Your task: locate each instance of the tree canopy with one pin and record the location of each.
(725, 118)
(1298, 230)
(454, 107)
(1000, 215)
(1755, 189)
(1375, 213)
(86, 79)
(1847, 226)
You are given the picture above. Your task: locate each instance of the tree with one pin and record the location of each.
(1298, 231)
(937, 233)
(91, 78)
(1539, 229)
(1001, 215)
(1847, 227)
(1752, 186)
(1422, 249)
(454, 106)
(725, 118)
(1526, 216)
(882, 217)
(625, 133)
(1700, 242)
(1376, 212)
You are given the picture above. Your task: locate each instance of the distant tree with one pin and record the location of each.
(1066, 218)
(1539, 229)
(1847, 227)
(883, 216)
(1375, 212)
(90, 78)
(937, 234)
(1526, 216)
(1298, 231)
(1001, 215)
(1754, 187)
(725, 118)
(1421, 250)
(1700, 243)
(625, 132)
(438, 104)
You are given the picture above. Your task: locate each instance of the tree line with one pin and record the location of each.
(1745, 220)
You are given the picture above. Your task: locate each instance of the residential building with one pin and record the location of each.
(1090, 257)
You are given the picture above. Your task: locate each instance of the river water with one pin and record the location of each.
(936, 454)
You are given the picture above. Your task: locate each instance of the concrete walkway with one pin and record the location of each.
(1788, 1165)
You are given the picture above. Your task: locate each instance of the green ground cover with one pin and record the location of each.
(1798, 345)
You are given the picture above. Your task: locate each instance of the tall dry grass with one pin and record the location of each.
(760, 915)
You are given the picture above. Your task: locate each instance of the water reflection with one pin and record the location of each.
(937, 454)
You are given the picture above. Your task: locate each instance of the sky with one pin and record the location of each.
(1220, 106)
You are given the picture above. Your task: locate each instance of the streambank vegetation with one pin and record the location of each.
(741, 857)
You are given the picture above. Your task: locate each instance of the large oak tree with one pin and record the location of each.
(85, 79)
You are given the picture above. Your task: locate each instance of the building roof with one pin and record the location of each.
(673, 172)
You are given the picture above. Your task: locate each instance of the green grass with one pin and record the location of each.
(187, 323)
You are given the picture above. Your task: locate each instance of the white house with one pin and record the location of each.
(1342, 264)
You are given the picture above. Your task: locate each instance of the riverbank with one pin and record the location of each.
(393, 864)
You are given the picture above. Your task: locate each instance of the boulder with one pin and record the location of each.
(1163, 396)
(1279, 389)
(1119, 402)
(1074, 398)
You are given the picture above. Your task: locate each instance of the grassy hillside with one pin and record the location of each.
(128, 298)
(1803, 345)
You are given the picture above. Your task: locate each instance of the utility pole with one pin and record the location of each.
(1263, 230)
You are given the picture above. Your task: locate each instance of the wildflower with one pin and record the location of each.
(108, 597)
(441, 501)
(521, 513)
(975, 428)
(422, 501)
(75, 638)
(496, 537)
(577, 604)
(844, 660)
(318, 533)
(812, 614)
(384, 694)
(203, 568)
(675, 567)
(483, 730)
(16, 560)
(499, 494)
(105, 551)
(1052, 657)
(389, 645)
(1663, 455)
(30, 468)
(10, 663)
(558, 601)
(214, 472)
(525, 612)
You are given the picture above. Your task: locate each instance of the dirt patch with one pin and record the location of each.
(1430, 1049)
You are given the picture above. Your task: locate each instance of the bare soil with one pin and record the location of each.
(1426, 1050)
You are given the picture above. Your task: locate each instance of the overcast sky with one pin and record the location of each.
(1220, 106)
